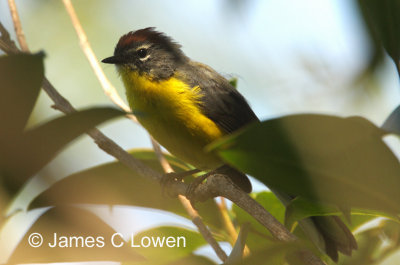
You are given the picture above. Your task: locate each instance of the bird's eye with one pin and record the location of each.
(142, 53)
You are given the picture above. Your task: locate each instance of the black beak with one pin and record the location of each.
(112, 60)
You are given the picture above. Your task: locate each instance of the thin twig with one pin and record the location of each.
(108, 88)
(112, 93)
(17, 26)
(230, 228)
(161, 158)
(229, 225)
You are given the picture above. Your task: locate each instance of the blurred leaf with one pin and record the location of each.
(383, 23)
(275, 254)
(300, 208)
(184, 242)
(22, 154)
(36, 147)
(359, 220)
(369, 243)
(69, 222)
(392, 123)
(44, 141)
(334, 160)
(374, 214)
(236, 255)
(113, 183)
(21, 78)
(193, 260)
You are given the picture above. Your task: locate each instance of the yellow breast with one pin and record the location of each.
(169, 111)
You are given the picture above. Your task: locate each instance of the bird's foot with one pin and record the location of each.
(169, 178)
(190, 192)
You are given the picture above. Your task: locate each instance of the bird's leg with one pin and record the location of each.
(175, 176)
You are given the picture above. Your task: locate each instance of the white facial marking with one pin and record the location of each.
(145, 46)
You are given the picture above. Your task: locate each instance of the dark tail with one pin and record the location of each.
(336, 236)
(328, 233)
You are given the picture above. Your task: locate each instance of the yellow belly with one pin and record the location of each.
(168, 111)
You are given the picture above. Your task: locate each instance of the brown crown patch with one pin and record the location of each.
(143, 35)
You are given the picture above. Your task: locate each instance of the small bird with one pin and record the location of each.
(186, 105)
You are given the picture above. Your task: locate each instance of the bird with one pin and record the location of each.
(186, 105)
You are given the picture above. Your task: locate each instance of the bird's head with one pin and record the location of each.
(147, 51)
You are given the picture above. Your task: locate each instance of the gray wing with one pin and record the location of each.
(221, 102)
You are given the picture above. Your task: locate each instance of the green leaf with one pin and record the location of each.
(43, 142)
(184, 242)
(236, 255)
(21, 78)
(37, 146)
(341, 161)
(115, 184)
(361, 216)
(269, 201)
(276, 253)
(68, 222)
(359, 220)
(383, 23)
(193, 260)
(300, 208)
